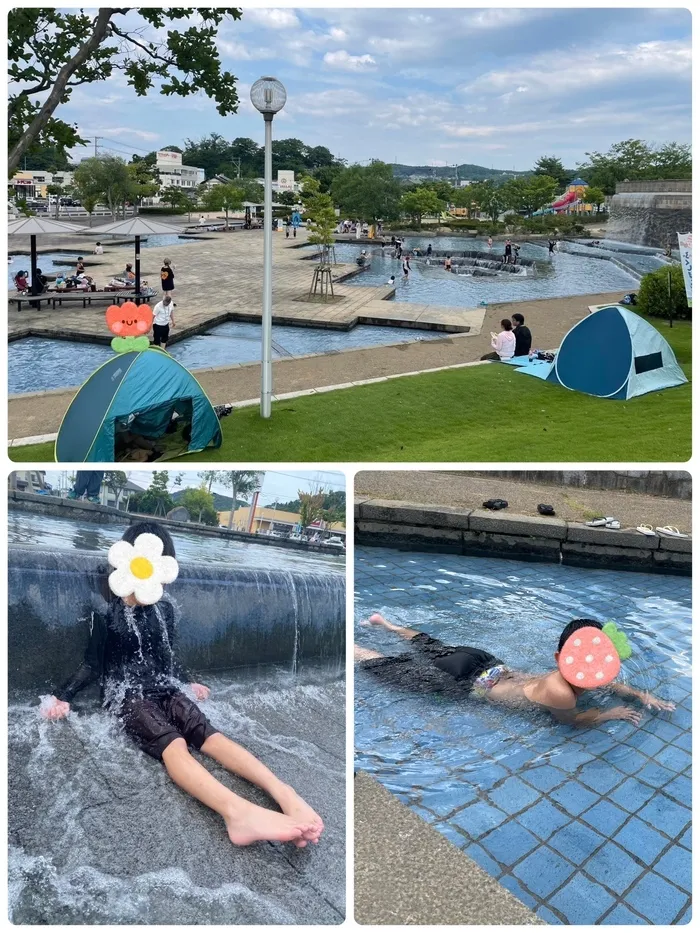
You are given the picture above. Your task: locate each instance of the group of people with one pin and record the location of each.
(514, 339)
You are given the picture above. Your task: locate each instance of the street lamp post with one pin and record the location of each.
(269, 97)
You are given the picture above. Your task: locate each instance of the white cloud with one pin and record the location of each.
(270, 19)
(242, 52)
(333, 103)
(126, 131)
(347, 62)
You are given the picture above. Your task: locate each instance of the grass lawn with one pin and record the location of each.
(485, 413)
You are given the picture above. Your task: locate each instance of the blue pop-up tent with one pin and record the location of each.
(141, 392)
(613, 353)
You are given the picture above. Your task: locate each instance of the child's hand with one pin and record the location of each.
(200, 691)
(652, 702)
(625, 712)
(53, 708)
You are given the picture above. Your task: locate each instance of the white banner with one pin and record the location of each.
(685, 245)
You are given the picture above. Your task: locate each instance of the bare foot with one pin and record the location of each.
(297, 808)
(249, 823)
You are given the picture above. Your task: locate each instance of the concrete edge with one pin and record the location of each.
(414, 526)
(406, 872)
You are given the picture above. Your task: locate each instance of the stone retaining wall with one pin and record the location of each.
(477, 532)
(671, 484)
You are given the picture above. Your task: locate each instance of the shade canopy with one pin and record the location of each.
(135, 226)
(33, 226)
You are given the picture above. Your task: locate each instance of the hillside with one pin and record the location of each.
(465, 172)
(221, 503)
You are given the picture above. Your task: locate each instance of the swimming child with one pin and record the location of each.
(131, 653)
(435, 667)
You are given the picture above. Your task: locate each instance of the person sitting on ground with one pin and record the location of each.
(21, 282)
(131, 652)
(503, 344)
(523, 337)
(435, 667)
(392, 280)
(163, 320)
(99, 249)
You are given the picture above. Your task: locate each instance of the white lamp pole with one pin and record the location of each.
(269, 97)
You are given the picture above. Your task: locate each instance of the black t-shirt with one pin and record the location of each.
(523, 340)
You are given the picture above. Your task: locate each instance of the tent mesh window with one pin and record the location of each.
(644, 364)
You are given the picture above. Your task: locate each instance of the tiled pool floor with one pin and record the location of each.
(584, 826)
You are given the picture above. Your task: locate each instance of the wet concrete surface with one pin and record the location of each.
(99, 834)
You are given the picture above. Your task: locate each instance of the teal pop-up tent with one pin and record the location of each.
(612, 353)
(138, 392)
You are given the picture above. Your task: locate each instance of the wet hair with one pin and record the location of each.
(518, 318)
(128, 265)
(574, 627)
(151, 528)
(506, 324)
(167, 300)
(80, 258)
(166, 262)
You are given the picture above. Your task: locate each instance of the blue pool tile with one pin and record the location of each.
(674, 758)
(422, 813)
(483, 859)
(508, 881)
(632, 794)
(641, 840)
(574, 797)
(681, 790)
(582, 901)
(600, 776)
(665, 815)
(478, 818)
(544, 913)
(543, 871)
(513, 795)
(516, 757)
(682, 718)
(623, 917)
(544, 778)
(605, 817)
(509, 843)
(452, 834)
(645, 742)
(687, 838)
(543, 819)
(486, 775)
(668, 731)
(444, 802)
(656, 899)
(687, 916)
(613, 868)
(654, 774)
(628, 760)
(684, 741)
(675, 865)
(576, 842)
(571, 759)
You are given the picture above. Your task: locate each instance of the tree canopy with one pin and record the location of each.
(368, 192)
(636, 160)
(554, 168)
(51, 51)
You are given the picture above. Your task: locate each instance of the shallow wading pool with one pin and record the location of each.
(584, 826)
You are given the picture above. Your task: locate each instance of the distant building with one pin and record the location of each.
(29, 184)
(172, 173)
(571, 202)
(273, 521)
(285, 182)
(29, 481)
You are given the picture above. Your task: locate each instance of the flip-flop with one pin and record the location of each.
(646, 530)
(599, 522)
(613, 523)
(672, 532)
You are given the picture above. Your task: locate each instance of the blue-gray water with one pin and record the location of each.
(559, 276)
(570, 820)
(66, 534)
(35, 363)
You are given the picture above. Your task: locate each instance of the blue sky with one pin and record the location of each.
(494, 86)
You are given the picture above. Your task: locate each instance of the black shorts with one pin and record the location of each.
(432, 665)
(157, 718)
(161, 332)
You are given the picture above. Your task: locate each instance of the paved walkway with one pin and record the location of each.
(407, 872)
(462, 490)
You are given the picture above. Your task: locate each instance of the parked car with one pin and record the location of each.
(334, 542)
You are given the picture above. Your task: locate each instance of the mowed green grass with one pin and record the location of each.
(484, 413)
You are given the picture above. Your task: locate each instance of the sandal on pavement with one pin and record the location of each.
(495, 504)
(613, 523)
(672, 532)
(646, 530)
(599, 522)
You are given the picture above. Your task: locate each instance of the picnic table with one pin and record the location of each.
(87, 298)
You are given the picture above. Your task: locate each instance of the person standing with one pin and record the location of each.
(167, 278)
(508, 252)
(448, 264)
(489, 242)
(288, 227)
(87, 483)
(406, 267)
(163, 320)
(551, 246)
(429, 250)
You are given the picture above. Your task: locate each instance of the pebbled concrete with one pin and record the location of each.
(406, 872)
(99, 834)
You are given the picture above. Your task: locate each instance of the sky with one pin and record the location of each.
(278, 485)
(497, 87)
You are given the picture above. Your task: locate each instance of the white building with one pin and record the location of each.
(172, 172)
(285, 182)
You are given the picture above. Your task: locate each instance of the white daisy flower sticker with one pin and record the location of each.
(141, 569)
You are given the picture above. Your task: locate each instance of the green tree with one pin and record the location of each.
(57, 191)
(326, 175)
(554, 168)
(421, 201)
(144, 181)
(51, 51)
(176, 198)
(595, 196)
(199, 502)
(115, 481)
(634, 159)
(653, 297)
(287, 198)
(243, 484)
(224, 198)
(529, 194)
(368, 192)
(156, 500)
(106, 178)
(311, 506)
(319, 215)
(486, 196)
(209, 153)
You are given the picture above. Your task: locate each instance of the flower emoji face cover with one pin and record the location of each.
(141, 569)
(590, 657)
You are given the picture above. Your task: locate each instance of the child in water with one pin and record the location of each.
(131, 653)
(437, 667)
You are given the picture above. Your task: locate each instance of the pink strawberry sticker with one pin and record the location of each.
(589, 659)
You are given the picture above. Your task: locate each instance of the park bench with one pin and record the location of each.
(86, 298)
